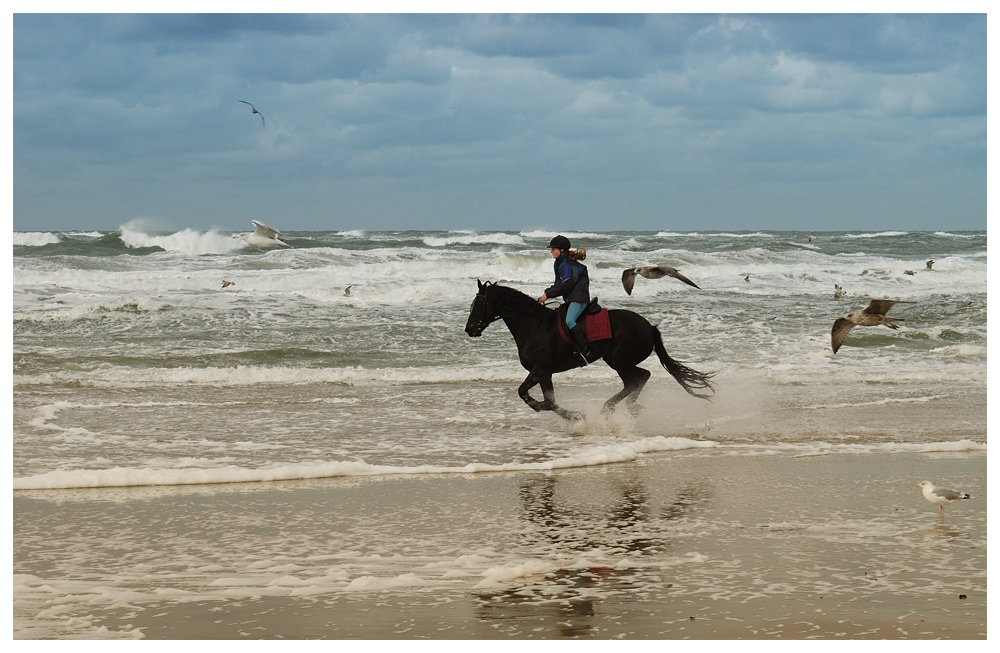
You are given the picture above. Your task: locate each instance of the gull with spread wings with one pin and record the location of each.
(263, 236)
(652, 272)
(872, 315)
(255, 111)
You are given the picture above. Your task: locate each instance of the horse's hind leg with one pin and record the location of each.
(642, 376)
(634, 379)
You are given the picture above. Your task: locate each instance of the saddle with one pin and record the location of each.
(595, 319)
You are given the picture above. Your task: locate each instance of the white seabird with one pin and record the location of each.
(263, 236)
(872, 315)
(940, 496)
(652, 272)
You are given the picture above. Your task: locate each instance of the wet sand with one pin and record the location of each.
(674, 546)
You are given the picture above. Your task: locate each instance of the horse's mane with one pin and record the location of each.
(517, 300)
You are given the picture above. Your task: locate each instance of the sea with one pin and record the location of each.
(134, 366)
(318, 449)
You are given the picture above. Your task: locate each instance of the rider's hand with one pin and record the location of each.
(543, 298)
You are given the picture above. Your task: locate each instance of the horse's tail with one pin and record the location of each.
(688, 378)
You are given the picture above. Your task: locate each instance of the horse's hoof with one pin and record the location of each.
(570, 415)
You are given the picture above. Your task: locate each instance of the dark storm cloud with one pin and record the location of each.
(463, 114)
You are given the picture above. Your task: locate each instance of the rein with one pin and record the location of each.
(511, 300)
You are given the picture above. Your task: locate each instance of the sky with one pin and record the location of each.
(499, 121)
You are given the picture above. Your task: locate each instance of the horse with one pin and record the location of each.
(543, 352)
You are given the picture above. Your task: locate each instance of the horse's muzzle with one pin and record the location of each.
(474, 330)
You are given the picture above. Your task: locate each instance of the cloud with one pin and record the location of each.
(136, 110)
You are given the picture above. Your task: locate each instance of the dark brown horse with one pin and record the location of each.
(543, 352)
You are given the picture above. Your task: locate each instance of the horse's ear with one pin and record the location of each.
(480, 284)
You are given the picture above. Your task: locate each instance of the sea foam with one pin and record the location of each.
(131, 477)
(34, 238)
(187, 241)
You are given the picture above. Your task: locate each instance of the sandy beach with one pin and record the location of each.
(675, 546)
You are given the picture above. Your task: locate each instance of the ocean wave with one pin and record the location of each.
(34, 238)
(187, 241)
(131, 304)
(84, 234)
(545, 234)
(473, 239)
(128, 377)
(946, 234)
(590, 457)
(879, 234)
(878, 402)
(134, 477)
(630, 245)
(711, 234)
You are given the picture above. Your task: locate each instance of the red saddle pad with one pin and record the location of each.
(598, 327)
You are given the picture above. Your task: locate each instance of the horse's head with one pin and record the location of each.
(482, 313)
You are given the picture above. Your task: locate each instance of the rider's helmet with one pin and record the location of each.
(559, 242)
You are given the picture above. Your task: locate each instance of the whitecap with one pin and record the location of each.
(461, 238)
(879, 234)
(187, 241)
(34, 238)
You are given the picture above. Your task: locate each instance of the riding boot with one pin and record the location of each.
(583, 349)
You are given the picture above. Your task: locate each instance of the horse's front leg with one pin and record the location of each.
(530, 382)
(550, 400)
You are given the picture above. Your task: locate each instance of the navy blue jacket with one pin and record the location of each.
(572, 282)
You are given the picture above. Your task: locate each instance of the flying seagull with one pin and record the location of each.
(347, 291)
(653, 272)
(930, 265)
(909, 272)
(226, 284)
(838, 292)
(255, 111)
(940, 496)
(873, 315)
(263, 236)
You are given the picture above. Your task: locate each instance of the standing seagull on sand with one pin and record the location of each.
(652, 272)
(873, 315)
(940, 496)
(255, 111)
(263, 236)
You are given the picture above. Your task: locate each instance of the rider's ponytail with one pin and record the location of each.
(579, 254)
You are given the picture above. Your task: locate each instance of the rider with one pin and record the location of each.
(573, 284)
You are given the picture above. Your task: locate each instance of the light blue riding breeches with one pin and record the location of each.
(573, 312)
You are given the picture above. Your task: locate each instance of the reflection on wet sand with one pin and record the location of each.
(943, 531)
(625, 520)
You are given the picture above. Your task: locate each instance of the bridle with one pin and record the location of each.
(477, 317)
